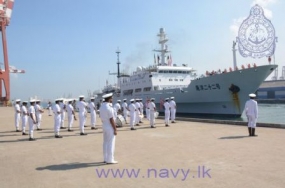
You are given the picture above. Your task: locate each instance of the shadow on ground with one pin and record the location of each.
(70, 166)
(233, 137)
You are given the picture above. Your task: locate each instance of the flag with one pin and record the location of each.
(154, 59)
(169, 60)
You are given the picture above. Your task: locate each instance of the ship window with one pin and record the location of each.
(147, 89)
(160, 80)
(180, 72)
(176, 80)
(170, 71)
(181, 80)
(174, 71)
(128, 92)
(165, 71)
(170, 80)
(138, 90)
(188, 72)
(160, 71)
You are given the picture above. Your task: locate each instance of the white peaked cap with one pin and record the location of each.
(171, 97)
(81, 96)
(132, 100)
(107, 95)
(252, 95)
(166, 99)
(17, 100)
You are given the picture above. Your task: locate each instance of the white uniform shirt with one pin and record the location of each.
(69, 109)
(91, 106)
(81, 106)
(56, 109)
(251, 108)
(141, 105)
(166, 106)
(117, 107)
(106, 112)
(17, 107)
(32, 112)
(132, 108)
(151, 106)
(62, 105)
(24, 111)
(37, 109)
(124, 106)
(172, 105)
(137, 105)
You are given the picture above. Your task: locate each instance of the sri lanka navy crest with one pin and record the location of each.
(256, 35)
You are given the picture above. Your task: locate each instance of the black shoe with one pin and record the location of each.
(253, 132)
(18, 130)
(85, 126)
(137, 124)
(140, 122)
(32, 139)
(39, 129)
(172, 121)
(24, 134)
(83, 134)
(166, 125)
(69, 130)
(249, 131)
(132, 129)
(62, 127)
(94, 128)
(58, 136)
(152, 127)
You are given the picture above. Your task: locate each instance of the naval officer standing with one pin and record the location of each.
(92, 113)
(152, 110)
(39, 112)
(70, 114)
(172, 109)
(17, 114)
(132, 108)
(82, 110)
(62, 110)
(25, 116)
(57, 118)
(109, 129)
(251, 111)
(125, 109)
(32, 119)
(166, 112)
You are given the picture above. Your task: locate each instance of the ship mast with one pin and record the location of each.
(163, 49)
(118, 63)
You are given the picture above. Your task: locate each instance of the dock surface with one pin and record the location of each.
(186, 154)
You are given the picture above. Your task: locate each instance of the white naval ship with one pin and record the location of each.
(221, 93)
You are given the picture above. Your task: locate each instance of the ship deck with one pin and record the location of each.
(232, 158)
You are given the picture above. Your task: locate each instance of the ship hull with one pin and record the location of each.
(210, 96)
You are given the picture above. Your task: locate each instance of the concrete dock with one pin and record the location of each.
(186, 154)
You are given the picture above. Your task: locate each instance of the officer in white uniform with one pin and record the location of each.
(39, 112)
(125, 109)
(132, 108)
(49, 109)
(92, 108)
(57, 118)
(152, 110)
(166, 112)
(172, 109)
(141, 111)
(251, 111)
(62, 110)
(109, 129)
(138, 112)
(25, 116)
(32, 119)
(82, 110)
(70, 114)
(17, 114)
(117, 108)
(147, 109)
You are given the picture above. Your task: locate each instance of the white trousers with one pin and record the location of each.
(49, 111)
(81, 122)
(147, 113)
(173, 111)
(57, 122)
(108, 143)
(125, 114)
(39, 118)
(24, 122)
(17, 120)
(166, 118)
(93, 118)
(31, 128)
(151, 117)
(62, 119)
(137, 118)
(132, 119)
(70, 121)
(251, 121)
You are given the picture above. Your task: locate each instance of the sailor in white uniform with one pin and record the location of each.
(166, 112)
(39, 112)
(138, 112)
(132, 108)
(62, 110)
(117, 108)
(82, 111)
(25, 116)
(141, 111)
(49, 109)
(147, 109)
(172, 109)
(70, 114)
(32, 119)
(152, 110)
(251, 111)
(17, 114)
(125, 109)
(57, 118)
(109, 129)
(92, 108)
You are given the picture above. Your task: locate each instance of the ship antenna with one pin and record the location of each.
(118, 63)
(162, 41)
(234, 54)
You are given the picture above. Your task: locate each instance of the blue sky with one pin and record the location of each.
(68, 47)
